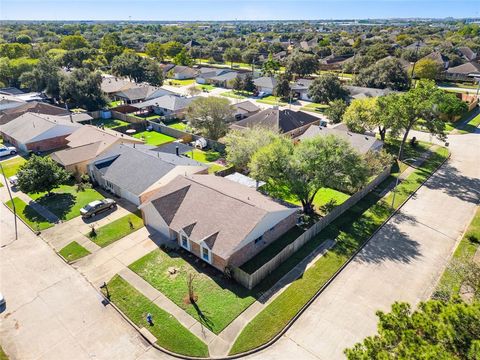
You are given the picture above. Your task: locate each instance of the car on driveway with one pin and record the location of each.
(13, 180)
(97, 206)
(7, 150)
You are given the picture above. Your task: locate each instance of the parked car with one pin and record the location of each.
(97, 206)
(13, 180)
(7, 150)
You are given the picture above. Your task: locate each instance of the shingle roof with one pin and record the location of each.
(33, 107)
(360, 142)
(247, 106)
(266, 81)
(281, 120)
(142, 92)
(213, 209)
(112, 84)
(169, 102)
(467, 53)
(359, 92)
(467, 68)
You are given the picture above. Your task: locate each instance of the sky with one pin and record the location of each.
(174, 10)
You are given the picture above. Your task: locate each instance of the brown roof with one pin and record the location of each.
(35, 107)
(213, 210)
(467, 68)
(112, 84)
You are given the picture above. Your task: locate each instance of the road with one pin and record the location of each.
(401, 263)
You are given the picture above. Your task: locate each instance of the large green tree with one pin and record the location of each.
(283, 89)
(73, 42)
(210, 116)
(271, 66)
(111, 46)
(385, 73)
(436, 330)
(82, 88)
(336, 110)
(301, 64)
(427, 69)
(45, 76)
(41, 174)
(232, 54)
(305, 168)
(326, 88)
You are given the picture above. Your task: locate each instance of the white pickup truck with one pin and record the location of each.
(7, 150)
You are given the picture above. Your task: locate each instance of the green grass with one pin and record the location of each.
(467, 248)
(113, 104)
(117, 229)
(170, 334)
(174, 82)
(29, 215)
(179, 125)
(315, 107)
(11, 166)
(205, 87)
(219, 302)
(3, 356)
(236, 94)
(471, 126)
(65, 201)
(208, 157)
(154, 138)
(147, 117)
(215, 167)
(73, 251)
(272, 100)
(351, 230)
(110, 123)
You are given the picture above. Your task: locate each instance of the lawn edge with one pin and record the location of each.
(333, 277)
(36, 232)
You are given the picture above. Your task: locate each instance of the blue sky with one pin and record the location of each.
(233, 9)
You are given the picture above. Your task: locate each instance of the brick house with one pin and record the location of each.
(222, 222)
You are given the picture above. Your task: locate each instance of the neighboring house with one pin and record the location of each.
(464, 72)
(9, 102)
(222, 222)
(8, 115)
(134, 173)
(180, 72)
(308, 45)
(360, 142)
(245, 109)
(13, 91)
(217, 77)
(290, 122)
(334, 62)
(38, 132)
(167, 105)
(141, 93)
(192, 43)
(111, 84)
(266, 84)
(360, 92)
(85, 144)
(300, 89)
(439, 58)
(467, 53)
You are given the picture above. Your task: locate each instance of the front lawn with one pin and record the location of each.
(350, 230)
(117, 229)
(219, 301)
(110, 123)
(65, 201)
(206, 87)
(29, 215)
(154, 138)
(471, 126)
(73, 251)
(11, 166)
(237, 94)
(272, 100)
(178, 83)
(170, 334)
(315, 107)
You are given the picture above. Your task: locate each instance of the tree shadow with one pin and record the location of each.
(202, 316)
(452, 182)
(58, 203)
(33, 216)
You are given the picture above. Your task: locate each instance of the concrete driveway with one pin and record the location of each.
(401, 263)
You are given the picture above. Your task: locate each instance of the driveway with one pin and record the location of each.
(401, 263)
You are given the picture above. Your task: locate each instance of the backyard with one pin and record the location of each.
(208, 157)
(73, 251)
(178, 125)
(29, 215)
(170, 334)
(154, 138)
(219, 301)
(65, 201)
(116, 230)
(109, 123)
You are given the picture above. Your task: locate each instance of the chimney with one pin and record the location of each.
(176, 151)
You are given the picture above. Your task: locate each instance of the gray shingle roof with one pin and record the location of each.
(266, 81)
(169, 102)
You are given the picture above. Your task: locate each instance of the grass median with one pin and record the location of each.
(73, 251)
(351, 231)
(170, 334)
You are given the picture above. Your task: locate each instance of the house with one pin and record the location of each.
(361, 92)
(467, 53)
(9, 102)
(85, 144)
(360, 142)
(300, 89)
(464, 72)
(192, 43)
(180, 72)
(140, 93)
(134, 173)
(171, 106)
(439, 58)
(335, 62)
(38, 132)
(288, 122)
(217, 77)
(266, 84)
(245, 109)
(222, 222)
(111, 84)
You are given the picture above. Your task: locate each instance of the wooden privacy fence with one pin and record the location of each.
(251, 280)
(125, 117)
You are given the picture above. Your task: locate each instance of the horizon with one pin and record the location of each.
(243, 10)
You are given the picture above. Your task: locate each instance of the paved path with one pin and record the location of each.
(402, 262)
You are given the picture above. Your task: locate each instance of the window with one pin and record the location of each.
(185, 243)
(205, 254)
(257, 240)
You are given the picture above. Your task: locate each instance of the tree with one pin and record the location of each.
(41, 174)
(360, 115)
(237, 83)
(240, 145)
(301, 64)
(151, 72)
(210, 115)
(183, 58)
(436, 330)
(155, 50)
(270, 66)
(451, 106)
(248, 84)
(232, 54)
(305, 168)
(111, 46)
(326, 88)
(385, 73)
(24, 39)
(427, 69)
(82, 89)
(14, 50)
(128, 64)
(75, 58)
(282, 89)
(73, 42)
(250, 56)
(44, 77)
(172, 48)
(336, 110)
